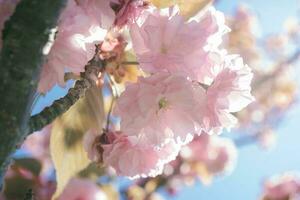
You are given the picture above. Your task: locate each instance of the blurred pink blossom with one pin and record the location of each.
(38, 145)
(130, 157)
(217, 154)
(286, 186)
(82, 189)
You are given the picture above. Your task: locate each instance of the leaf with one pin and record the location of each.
(188, 8)
(66, 145)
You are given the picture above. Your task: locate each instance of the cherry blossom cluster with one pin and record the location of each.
(192, 86)
(206, 157)
(216, 154)
(285, 186)
(189, 85)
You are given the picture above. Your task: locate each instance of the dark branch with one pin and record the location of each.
(60, 106)
(24, 37)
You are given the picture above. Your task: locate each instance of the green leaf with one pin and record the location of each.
(66, 142)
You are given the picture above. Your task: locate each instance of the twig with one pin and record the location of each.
(109, 114)
(130, 63)
(92, 69)
(278, 69)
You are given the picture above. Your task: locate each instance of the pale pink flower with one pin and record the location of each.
(166, 42)
(49, 76)
(222, 155)
(38, 145)
(78, 32)
(7, 8)
(161, 107)
(90, 144)
(267, 138)
(133, 158)
(217, 154)
(127, 11)
(229, 92)
(82, 189)
(196, 149)
(99, 10)
(286, 186)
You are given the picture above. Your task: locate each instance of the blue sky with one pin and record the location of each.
(254, 165)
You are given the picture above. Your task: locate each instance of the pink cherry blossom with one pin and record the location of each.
(196, 149)
(99, 10)
(166, 42)
(286, 186)
(131, 157)
(79, 29)
(217, 154)
(127, 10)
(222, 155)
(38, 145)
(82, 189)
(161, 107)
(90, 145)
(7, 8)
(228, 93)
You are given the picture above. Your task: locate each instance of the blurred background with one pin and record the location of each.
(273, 19)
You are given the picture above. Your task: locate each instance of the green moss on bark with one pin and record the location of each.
(21, 56)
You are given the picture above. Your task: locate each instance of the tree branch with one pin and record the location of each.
(21, 56)
(60, 106)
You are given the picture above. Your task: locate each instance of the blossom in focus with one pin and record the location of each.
(228, 93)
(160, 108)
(166, 42)
(286, 186)
(131, 157)
(82, 189)
(79, 29)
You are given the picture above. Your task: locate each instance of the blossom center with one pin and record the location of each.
(162, 103)
(164, 49)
